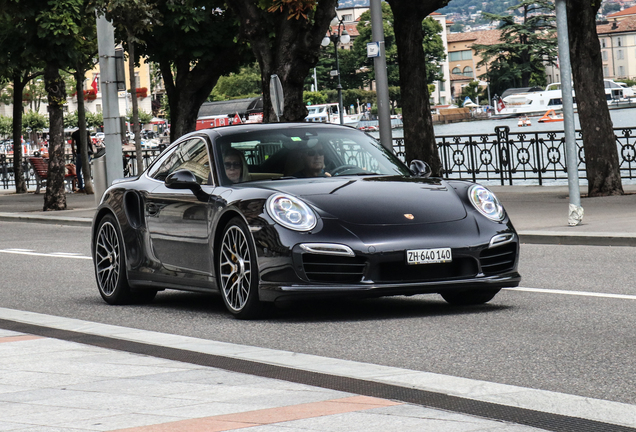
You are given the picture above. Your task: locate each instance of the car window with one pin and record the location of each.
(192, 155)
(301, 153)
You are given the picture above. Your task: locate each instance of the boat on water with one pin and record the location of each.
(328, 113)
(534, 101)
(524, 121)
(551, 116)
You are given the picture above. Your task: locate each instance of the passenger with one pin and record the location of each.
(235, 166)
(314, 162)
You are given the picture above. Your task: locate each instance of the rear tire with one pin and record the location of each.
(110, 267)
(470, 297)
(237, 273)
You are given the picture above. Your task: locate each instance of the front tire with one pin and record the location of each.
(110, 267)
(470, 297)
(238, 271)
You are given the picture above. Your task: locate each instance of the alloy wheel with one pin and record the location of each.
(107, 252)
(235, 268)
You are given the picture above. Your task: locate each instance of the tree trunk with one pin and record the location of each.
(291, 55)
(188, 91)
(18, 172)
(419, 135)
(55, 197)
(135, 104)
(81, 120)
(599, 142)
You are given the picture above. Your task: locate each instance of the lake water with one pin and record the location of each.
(620, 117)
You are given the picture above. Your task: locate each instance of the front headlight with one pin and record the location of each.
(291, 212)
(486, 202)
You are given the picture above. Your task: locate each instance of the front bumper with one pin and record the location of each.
(372, 262)
(274, 292)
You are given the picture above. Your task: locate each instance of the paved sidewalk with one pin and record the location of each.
(62, 374)
(59, 374)
(539, 213)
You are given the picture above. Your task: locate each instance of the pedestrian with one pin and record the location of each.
(76, 150)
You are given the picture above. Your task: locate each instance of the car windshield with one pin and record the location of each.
(302, 153)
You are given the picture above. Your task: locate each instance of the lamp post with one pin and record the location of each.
(339, 37)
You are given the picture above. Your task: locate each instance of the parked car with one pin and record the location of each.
(235, 209)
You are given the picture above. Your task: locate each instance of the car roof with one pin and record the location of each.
(254, 127)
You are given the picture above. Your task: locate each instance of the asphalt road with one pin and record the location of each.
(576, 344)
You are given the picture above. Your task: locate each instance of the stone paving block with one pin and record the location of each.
(61, 417)
(112, 423)
(35, 395)
(41, 380)
(368, 421)
(135, 386)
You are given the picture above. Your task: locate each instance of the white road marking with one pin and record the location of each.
(53, 254)
(576, 293)
(20, 250)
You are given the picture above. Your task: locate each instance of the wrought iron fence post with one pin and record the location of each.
(503, 147)
(471, 152)
(538, 157)
(5, 171)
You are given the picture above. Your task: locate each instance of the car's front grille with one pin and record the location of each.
(498, 259)
(461, 267)
(333, 268)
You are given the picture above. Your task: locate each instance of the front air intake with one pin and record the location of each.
(333, 268)
(498, 259)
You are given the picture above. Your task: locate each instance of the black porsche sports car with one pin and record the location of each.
(273, 212)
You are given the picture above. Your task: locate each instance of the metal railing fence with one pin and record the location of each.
(502, 157)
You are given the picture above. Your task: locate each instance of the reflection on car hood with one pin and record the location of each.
(391, 200)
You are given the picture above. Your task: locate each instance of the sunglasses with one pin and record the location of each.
(312, 152)
(233, 165)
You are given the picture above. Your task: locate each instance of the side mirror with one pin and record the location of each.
(420, 168)
(183, 179)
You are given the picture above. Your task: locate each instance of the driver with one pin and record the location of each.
(314, 162)
(235, 166)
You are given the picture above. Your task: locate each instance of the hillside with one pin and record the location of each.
(455, 6)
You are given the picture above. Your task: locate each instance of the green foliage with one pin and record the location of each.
(241, 85)
(94, 120)
(34, 121)
(314, 98)
(473, 91)
(365, 36)
(457, 27)
(6, 125)
(433, 47)
(472, 6)
(6, 94)
(629, 82)
(130, 18)
(520, 57)
(144, 117)
(193, 47)
(71, 120)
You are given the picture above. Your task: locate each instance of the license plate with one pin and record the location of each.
(429, 256)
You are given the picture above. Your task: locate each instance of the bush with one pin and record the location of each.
(315, 98)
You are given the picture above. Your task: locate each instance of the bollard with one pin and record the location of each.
(99, 175)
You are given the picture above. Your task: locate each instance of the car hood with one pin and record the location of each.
(393, 200)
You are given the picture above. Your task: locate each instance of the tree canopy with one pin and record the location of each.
(519, 60)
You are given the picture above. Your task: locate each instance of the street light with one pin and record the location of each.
(339, 37)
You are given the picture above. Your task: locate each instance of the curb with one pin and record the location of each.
(582, 239)
(55, 220)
